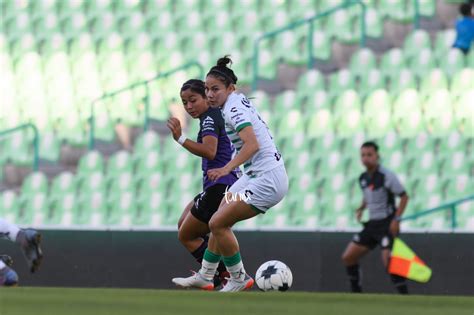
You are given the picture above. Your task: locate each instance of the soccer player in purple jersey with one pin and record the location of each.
(215, 149)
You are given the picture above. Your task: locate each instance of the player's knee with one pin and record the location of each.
(182, 237)
(215, 225)
(347, 259)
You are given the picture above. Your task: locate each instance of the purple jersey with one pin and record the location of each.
(212, 124)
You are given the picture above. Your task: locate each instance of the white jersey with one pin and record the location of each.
(238, 113)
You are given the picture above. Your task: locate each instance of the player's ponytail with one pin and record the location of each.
(222, 72)
(196, 86)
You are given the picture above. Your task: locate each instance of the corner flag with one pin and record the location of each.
(405, 263)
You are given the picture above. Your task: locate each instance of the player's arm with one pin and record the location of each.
(361, 209)
(402, 205)
(249, 148)
(207, 149)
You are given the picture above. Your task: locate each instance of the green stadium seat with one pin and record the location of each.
(260, 100)
(316, 100)
(464, 112)
(320, 123)
(9, 202)
(377, 113)
(401, 11)
(456, 163)
(373, 22)
(438, 113)
(285, 100)
(362, 61)
(427, 8)
(453, 62)
(90, 163)
(35, 183)
(309, 82)
(30, 207)
(370, 81)
(90, 210)
(392, 61)
(422, 62)
(321, 45)
(462, 81)
(150, 209)
(61, 210)
(419, 39)
(407, 116)
(444, 42)
(435, 80)
(94, 181)
(399, 81)
(119, 182)
(64, 183)
(340, 81)
(120, 206)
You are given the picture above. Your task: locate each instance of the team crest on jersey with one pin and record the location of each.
(246, 102)
(363, 183)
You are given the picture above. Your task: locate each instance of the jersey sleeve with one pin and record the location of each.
(209, 126)
(239, 117)
(393, 184)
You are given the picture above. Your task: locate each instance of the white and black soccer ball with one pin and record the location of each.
(274, 275)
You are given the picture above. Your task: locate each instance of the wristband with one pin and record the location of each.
(398, 218)
(181, 139)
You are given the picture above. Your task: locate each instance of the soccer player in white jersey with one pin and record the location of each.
(263, 185)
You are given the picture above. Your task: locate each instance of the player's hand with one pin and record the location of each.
(395, 228)
(175, 127)
(358, 215)
(217, 173)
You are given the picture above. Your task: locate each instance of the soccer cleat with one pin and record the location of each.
(8, 277)
(30, 244)
(195, 281)
(234, 285)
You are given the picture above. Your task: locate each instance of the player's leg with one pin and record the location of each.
(28, 239)
(8, 276)
(185, 213)
(398, 281)
(221, 227)
(351, 257)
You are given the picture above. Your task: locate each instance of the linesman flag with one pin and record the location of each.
(405, 263)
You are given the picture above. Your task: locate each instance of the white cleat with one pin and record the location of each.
(195, 281)
(234, 285)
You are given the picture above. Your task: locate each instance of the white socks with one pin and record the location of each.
(8, 230)
(2, 265)
(237, 271)
(208, 269)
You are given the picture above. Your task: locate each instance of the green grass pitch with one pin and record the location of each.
(58, 301)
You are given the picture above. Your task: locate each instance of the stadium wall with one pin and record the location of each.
(151, 259)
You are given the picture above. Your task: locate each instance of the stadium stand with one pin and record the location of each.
(57, 56)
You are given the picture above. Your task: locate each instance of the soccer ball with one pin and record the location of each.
(274, 275)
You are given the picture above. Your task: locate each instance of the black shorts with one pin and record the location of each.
(375, 232)
(207, 202)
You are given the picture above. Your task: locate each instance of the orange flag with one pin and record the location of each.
(405, 263)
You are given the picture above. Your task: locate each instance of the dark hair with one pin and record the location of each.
(465, 9)
(196, 86)
(222, 72)
(370, 144)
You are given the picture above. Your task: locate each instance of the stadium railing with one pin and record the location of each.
(308, 21)
(146, 98)
(19, 128)
(449, 206)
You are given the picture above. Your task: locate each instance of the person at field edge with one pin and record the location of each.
(263, 185)
(465, 28)
(380, 187)
(215, 149)
(29, 241)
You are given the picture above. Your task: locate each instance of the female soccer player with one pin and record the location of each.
(262, 186)
(214, 147)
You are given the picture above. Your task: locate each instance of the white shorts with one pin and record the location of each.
(262, 191)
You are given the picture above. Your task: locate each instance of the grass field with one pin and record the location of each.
(58, 301)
